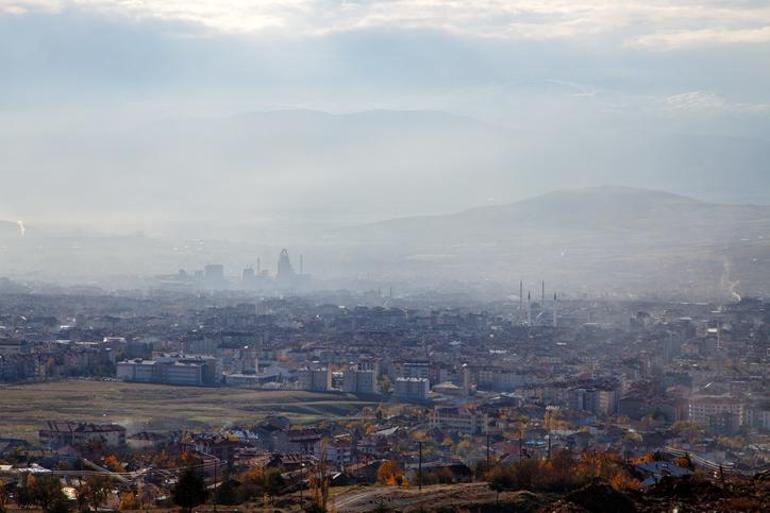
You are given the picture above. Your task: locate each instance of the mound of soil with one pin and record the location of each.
(599, 497)
(688, 489)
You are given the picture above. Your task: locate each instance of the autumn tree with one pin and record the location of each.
(390, 473)
(113, 463)
(684, 462)
(45, 491)
(92, 492)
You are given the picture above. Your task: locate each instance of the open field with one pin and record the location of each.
(23, 408)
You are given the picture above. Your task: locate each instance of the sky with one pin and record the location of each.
(88, 90)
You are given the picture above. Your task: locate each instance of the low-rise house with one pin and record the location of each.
(82, 434)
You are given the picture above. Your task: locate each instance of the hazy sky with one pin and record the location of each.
(547, 70)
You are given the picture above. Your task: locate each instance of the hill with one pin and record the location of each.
(614, 238)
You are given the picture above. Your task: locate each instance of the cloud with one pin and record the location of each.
(645, 24)
(703, 102)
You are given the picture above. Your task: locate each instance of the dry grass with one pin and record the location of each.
(157, 407)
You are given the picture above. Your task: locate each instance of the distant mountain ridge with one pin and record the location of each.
(618, 238)
(581, 210)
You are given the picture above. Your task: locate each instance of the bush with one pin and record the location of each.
(561, 473)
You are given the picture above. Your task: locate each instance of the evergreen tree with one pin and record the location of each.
(190, 490)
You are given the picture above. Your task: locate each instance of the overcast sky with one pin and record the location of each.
(680, 67)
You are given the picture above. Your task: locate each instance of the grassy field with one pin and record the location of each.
(23, 408)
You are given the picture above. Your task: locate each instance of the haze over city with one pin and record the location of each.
(132, 129)
(384, 256)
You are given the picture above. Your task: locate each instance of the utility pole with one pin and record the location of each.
(419, 466)
(216, 466)
(301, 479)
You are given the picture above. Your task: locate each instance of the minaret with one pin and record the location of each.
(719, 336)
(529, 308)
(554, 309)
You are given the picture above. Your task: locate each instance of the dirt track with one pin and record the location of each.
(367, 499)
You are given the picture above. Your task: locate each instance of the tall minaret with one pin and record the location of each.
(554, 309)
(529, 308)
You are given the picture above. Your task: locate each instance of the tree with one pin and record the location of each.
(24, 491)
(498, 479)
(3, 497)
(190, 490)
(45, 491)
(390, 473)
(273, 481)
(92, 492)
(227, 493)
(113, 463)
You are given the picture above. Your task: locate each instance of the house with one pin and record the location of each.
(458, 419)
(82, 434)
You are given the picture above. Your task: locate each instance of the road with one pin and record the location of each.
(366, 499)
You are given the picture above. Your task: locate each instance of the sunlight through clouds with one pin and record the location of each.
(649, 24)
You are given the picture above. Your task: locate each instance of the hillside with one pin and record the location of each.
(622, 239)
(748, 495)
